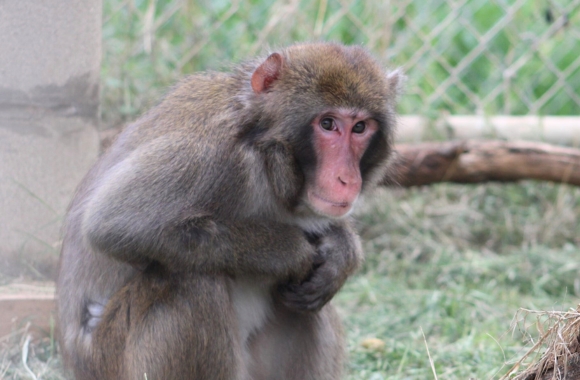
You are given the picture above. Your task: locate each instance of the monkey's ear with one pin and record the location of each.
(396, 80)
(267, 73)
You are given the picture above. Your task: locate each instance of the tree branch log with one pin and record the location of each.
(481, 161)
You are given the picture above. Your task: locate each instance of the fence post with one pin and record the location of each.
(50, 54)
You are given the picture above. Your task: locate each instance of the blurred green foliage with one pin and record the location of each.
(462, 57)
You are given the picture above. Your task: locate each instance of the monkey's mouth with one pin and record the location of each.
(332, 203)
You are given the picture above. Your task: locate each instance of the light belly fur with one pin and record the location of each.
(252, 301)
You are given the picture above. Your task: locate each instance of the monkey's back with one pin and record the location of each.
(181, 125)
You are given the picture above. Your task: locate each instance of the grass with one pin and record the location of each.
(455, 262)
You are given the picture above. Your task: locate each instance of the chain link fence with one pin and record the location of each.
(511, 57)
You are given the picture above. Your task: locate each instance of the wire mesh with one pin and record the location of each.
(513, 57)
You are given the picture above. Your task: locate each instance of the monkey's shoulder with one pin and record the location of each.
(204, 86)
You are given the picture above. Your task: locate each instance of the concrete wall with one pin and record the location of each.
(50, 54)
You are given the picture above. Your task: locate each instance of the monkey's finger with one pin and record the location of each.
(305, 297)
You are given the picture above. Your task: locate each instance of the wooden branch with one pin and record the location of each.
(26, 308)
(481, 161)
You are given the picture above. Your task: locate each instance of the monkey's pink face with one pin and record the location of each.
(340, 140)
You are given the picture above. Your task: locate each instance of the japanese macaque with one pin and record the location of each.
(207, 241)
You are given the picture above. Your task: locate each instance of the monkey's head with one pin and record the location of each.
(333, 106)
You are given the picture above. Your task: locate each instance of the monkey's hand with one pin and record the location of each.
(338, 255)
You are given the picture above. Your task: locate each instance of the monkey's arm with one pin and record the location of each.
(339, 254)
(248, 246)
(156, 206)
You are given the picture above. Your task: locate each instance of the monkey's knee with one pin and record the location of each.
(186, 332)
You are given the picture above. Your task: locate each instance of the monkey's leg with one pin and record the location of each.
(300, 346)
(175, 327)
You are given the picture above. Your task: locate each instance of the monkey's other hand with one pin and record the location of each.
(331, 266)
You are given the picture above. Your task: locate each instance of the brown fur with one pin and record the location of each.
(189, 249)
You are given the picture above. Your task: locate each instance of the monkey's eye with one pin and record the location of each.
(359, 127)
(327, 124)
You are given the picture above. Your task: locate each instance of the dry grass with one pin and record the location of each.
(557, 336)
(25, 357)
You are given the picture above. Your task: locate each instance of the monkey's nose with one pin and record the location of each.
(347, 180)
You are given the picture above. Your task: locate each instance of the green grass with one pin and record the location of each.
(455, 262)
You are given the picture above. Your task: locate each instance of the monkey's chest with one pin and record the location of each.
(252, 302)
